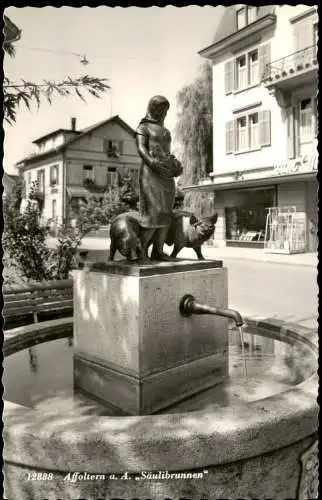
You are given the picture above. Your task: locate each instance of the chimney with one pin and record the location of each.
(73, 124)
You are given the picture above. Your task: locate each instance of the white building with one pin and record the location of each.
(68, 164)
(264, 123)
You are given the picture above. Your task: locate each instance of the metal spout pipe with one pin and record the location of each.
(189, 306)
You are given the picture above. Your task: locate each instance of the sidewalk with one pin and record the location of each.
(209, 252)
(255, 254)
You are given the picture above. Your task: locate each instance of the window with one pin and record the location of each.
(241, 18)
(242, 143)
(253, 131)
(54, 175)
(88, 172)
(112, 177)
(54, 209)
(29, 178)
(41, 180)
(247, 69)
(306, 128)
(315, 38)
(241, 72)
(253, 70)
(248, 132)
(246, 15)
(315, 34)
(246, 221)
(316, 117)
(252, 13)
(306, 119)
(113, 148)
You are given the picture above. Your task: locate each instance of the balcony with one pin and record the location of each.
(293, 70)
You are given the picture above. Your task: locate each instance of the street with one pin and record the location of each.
(273, 290)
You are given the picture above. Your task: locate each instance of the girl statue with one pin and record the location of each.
(157, 187)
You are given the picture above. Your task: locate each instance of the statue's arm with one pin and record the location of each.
(143, 150)
(153, 163)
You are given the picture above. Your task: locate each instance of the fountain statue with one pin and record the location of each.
(157, 187)
(161, 219)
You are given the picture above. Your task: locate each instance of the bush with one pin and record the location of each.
(100, 210)
(24, 242)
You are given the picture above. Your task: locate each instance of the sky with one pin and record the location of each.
(142, 51)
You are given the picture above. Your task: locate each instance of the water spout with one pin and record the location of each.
(189, 306)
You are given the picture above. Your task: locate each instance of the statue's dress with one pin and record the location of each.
(156, 193)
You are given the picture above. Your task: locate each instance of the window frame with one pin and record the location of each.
(246, 9)
(301, 140)
(113, 148)
(250, 7)
(249, 147)
(249, 84)
(54, 204)
(231, 68)
(41, 179)
(239, 11)
(88, 168)
(251, 65)
(232, 131)
(54, 179)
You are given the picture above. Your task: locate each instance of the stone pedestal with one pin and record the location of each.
(133, 348)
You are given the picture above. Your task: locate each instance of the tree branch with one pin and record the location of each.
(29, 92)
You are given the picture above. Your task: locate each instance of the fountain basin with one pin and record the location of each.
(264, 449)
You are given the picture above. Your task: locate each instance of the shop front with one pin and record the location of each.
(274, 209)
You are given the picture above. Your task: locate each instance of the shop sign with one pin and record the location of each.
(300, 165)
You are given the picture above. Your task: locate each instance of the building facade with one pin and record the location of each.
(265, 126)
(69, 164)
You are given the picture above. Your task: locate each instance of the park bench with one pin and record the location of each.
(54, 297)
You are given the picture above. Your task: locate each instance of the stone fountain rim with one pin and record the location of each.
(182, 441)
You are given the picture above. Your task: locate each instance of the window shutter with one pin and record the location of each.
(230, 137)
(105, 145)
(303, 34)
(57, 174)
(264, 55)
(229, 77)
(290, 132)
(265, 128)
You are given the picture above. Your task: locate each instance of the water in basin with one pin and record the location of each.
(41, 376)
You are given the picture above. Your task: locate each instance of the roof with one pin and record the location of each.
(55, 132)
(80, 134)
(228, 26)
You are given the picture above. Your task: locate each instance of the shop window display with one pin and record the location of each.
(246, 221)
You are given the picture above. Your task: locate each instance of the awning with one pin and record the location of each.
(77, 192)
(248, 183)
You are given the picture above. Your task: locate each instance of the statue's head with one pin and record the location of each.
(158, 107)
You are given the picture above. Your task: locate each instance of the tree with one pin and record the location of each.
(193, 132)
(100, 209)
(28, 93)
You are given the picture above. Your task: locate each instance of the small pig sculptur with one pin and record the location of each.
(186, 230)
(125, 236)
(189, 231)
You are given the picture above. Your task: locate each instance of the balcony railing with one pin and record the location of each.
(291, 64)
